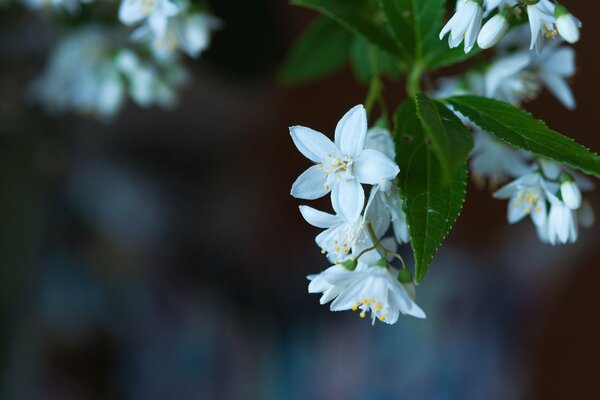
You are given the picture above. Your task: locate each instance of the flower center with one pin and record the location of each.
(528, 200)
(336, 168)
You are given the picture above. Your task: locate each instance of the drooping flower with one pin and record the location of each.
(155, 13)
(527, 196)
(566, 24)
(562, 224)
(374, 289)
(541, 23)
(342, 166)
(464, 24)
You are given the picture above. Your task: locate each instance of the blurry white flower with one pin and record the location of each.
(566, 24)
(541, 23)
(464, 24)
(81, 76)
(509, 79)
(319, 283)
(155, 13)
(373, 289)
(491, 5)
(190, 33)
(527, 196)
(493, 162)
(494, 29)
(553, 66)
(341, 166)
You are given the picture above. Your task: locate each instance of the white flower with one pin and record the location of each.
(155, 12)
(508, 79)
(385, 205)
(494, 30)
(376, 290)
(493, 162)
(567, 25)
(571, 194)
(562, 222)
(464, 24)
(340, 237)
(190, 33)
(553, 66)
(341, 166)
(541, 23)
(320, 283)
(82, 76)
(527, 196)
(491, 5)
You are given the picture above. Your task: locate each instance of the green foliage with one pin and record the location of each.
(447, 136)
(431, 206)
(322, 49)
(415, 25)
(520, 129)
(361, 17)
(364, 57)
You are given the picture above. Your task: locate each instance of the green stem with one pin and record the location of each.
(413, 83)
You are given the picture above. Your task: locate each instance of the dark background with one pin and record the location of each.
(160, 255)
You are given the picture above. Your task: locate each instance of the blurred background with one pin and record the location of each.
(160, 256)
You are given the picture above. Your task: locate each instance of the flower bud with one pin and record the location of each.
(566, 24)
(350, 264)
(571, 195)
(405, 277)
(494, 29)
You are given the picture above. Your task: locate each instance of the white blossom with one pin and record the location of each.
(567, 25)
(155, 13)
(541, 23)
(342, 166)
(571, 194)
(509, 79)
(527, 196)
(374, 289)
(464, 24)
(553, 67)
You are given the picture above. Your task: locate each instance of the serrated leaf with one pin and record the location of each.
(360, 58)
(446, 134)
(520, 129)
(431, 207)
(323, 48)
(360, 17)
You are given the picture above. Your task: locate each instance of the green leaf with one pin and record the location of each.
(431, 207)
(520, 129)
(361, 17)
(322, 49)
(362, 63)
(447, 136)
(415, 25)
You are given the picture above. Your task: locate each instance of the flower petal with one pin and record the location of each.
(351, 131)
(372, 167)
(310, 185)
(318, 218)
(312, 144)
(349, 197)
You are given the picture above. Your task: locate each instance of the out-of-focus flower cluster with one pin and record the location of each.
(98, 63)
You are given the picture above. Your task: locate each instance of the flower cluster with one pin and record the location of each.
(361, 277)
(546, 20)
(549, 193)
(95, 67)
